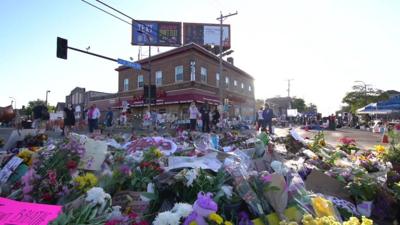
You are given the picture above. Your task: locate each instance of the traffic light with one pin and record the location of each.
(152, 92)
(62, 48)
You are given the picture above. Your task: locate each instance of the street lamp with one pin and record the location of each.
(15, 102)
(47, 93)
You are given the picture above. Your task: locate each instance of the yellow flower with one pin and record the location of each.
(86, 182)
(193, 223)
(158, 153)
(26, 155)
(380, 149)
(366, 221)
(228, 223)
(216, 218)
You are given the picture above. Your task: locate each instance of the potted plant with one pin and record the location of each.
(363, 189)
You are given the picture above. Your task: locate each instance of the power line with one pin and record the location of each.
(106, 12)
(136, 21)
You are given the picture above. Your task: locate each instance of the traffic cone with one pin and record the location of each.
(385, 138)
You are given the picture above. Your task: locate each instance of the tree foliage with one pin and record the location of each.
(299, 104)
(361, 96)
(31, 104)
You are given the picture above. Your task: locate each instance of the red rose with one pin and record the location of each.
(133, 215)
(72, 164)
(47, 197)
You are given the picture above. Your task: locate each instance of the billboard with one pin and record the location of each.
(156, 33)
(206, 34)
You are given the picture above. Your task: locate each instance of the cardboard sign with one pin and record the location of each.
(131, 200)
(95, 154)
(319, 182)
(9, 168)
(22, 213)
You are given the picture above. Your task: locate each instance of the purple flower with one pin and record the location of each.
(126, 170)
(206, 202)
(266, 178)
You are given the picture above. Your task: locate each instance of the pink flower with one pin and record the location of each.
(347, 140)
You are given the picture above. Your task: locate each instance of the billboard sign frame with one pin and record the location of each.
(206, 34)
(161, 33)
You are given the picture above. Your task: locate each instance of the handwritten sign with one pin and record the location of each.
(95, 155)
(9, 168)
(22, 213)
(208, 161)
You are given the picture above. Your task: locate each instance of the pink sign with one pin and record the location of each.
(23, 213)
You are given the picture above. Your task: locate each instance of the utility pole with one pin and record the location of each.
(221, 20)
(288, 93)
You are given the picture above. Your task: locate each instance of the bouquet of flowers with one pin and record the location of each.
(348, 145)
(50, 179)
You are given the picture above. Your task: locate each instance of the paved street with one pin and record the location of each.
(364, 139)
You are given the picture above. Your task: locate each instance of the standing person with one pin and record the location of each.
(205, 117)
(69, 120)
(109, 117)
(215, 117)
(260, 118)
(37, 116)
(93, 118)
(267, 117)
(193, 114)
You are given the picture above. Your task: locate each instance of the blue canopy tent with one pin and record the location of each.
(382, 107)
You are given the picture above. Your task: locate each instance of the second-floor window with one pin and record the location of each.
(203, 75)
(159, 78)
(140, 81)
(242, 85)
(235, 83)
(227, 82)
(126, 84)
(178, 73)
(250, 88)
(217, 79)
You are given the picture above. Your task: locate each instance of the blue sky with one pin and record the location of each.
(323, 45)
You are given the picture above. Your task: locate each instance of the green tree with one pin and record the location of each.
(311, 108)
(31, 104)
(361, 96)
(299, 104)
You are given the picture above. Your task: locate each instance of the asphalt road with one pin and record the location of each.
(364, 139)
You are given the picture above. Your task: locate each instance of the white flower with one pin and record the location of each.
(190, 176)
(227, 189)
(167, 218)
(97, 195)
(182, 209)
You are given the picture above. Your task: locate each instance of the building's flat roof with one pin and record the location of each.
(186, 48)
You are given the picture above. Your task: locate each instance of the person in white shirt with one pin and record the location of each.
(93, 118)
(193, 115)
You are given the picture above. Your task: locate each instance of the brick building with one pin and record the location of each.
(182, 75)
(79, 98)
